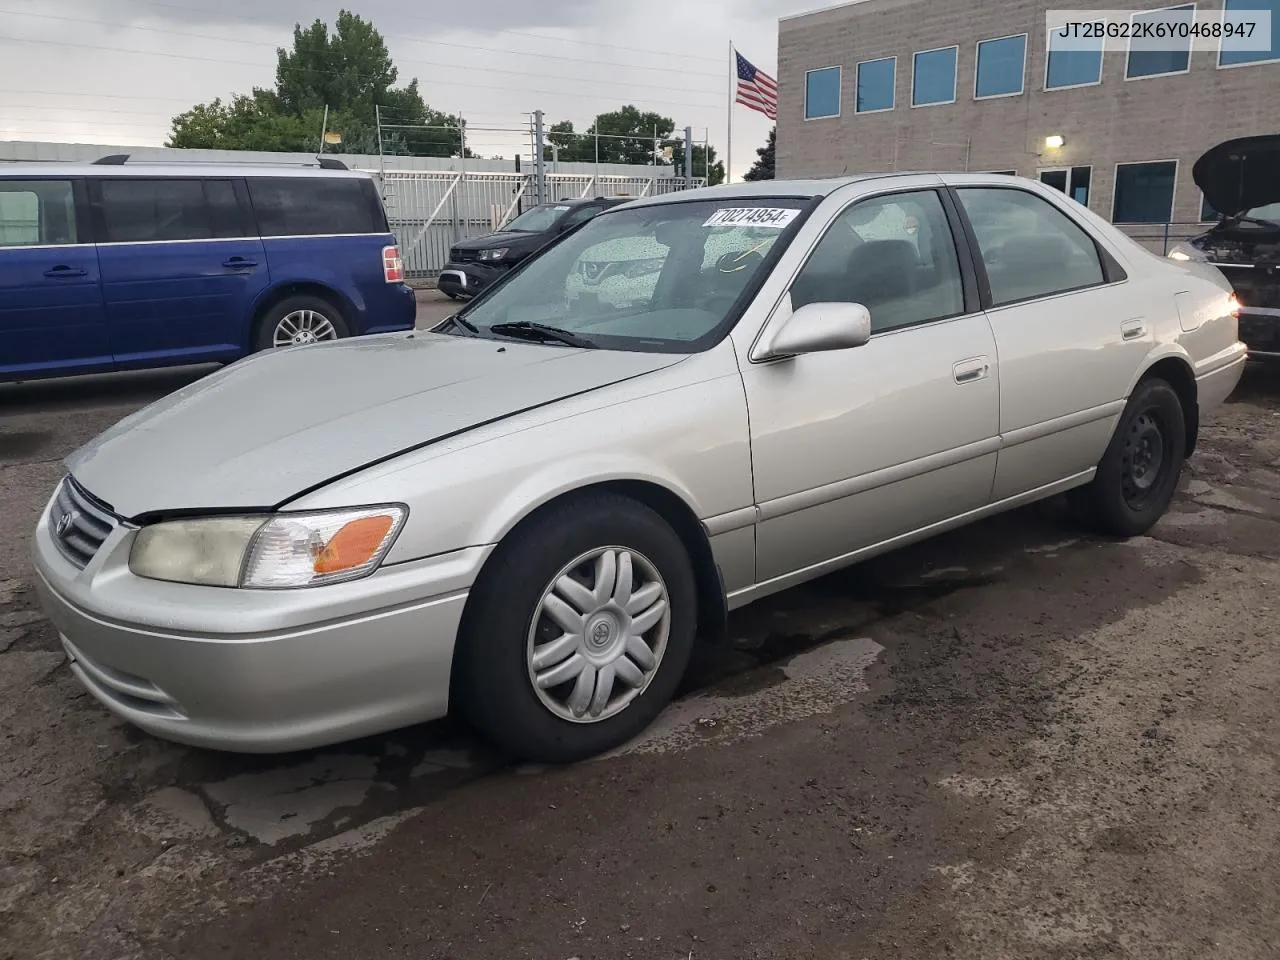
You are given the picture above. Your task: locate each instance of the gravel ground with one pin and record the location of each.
(1014, 741)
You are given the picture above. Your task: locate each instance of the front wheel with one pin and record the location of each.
(296, 321)
(1138, 475)
(579, 630)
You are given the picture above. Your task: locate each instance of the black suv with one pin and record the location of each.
(476, 263)
(1240, 179)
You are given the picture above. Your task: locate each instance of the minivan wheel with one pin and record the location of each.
(1139, 473)
(296, 321)
(578, 631)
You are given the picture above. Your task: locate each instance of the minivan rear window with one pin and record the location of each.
(310, 206)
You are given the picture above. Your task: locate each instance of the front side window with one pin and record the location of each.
(1144, 192)
(822, 93)
(316, 206)
(37, 213)
(894, 255)
(933, 77)
(1030, 248)
(1079, 66)
(1154, 56)
(1001, 67)
(154, 211)
(664, 277)
(876, 80)
(1231, 54)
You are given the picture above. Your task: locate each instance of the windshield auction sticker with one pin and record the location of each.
(777, 217)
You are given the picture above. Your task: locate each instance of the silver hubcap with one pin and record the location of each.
(303, 326)
(598, 634)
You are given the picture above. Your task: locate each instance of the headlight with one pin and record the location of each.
(1185, 251)
(281, 550)
(495, 254)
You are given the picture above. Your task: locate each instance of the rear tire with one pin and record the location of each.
(1138, 475)
(588, 676)
(299, 320)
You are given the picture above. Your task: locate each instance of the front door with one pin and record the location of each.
(181, 268)
(1069, 341)
(51, 317)
(854, 448)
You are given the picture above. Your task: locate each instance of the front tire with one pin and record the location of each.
(578, 631)
(296, 321)
(1139, 473)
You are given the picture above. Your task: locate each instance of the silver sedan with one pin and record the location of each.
(527, 514)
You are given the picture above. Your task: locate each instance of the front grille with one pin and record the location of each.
(463, 256)
(79, 523)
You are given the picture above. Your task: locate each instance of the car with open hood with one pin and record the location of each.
(527, 514)
(1240, 180)
(477, 262)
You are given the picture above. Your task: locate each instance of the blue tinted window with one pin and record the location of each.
(1001, 65)
(1144, 192)
(875, 84)
(1207, 213)
(822, 93)
(1231, 54)
(933, 77)
(1073, 68)
(1146, 60)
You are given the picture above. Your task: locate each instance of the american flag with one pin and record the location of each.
(756, 89)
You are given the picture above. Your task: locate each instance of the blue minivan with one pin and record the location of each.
(120, 266)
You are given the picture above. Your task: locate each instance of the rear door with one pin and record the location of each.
(181, 267)
(51, 317)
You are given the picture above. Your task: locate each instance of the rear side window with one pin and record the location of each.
(37, 213)
(311, 206)
(1030, 248)
(154, 211)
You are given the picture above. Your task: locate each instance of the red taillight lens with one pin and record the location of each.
(1233, 305)
(392, 265)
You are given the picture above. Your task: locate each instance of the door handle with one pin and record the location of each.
(1133, 329)
(64, 271)
(967, 371)
(233, 262)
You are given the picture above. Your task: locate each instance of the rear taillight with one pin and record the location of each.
(392, 265)
(1233, 305)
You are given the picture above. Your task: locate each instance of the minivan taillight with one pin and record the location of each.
(392, 265)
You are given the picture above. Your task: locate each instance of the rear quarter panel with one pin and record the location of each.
(351, 266)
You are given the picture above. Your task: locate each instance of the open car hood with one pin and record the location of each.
(1240, 174)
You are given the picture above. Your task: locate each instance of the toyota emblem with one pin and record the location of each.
(65, 523)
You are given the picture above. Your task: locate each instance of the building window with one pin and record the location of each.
(1073, 181)
(1144, 192)
(1074, 67)
(1001, 67)
(1230, 54)
(933, 77)
(1146, 58)
(876, 79)
(822, 93)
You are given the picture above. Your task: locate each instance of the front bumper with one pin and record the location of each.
(1260, 331)
(258, 671)
(468, 279)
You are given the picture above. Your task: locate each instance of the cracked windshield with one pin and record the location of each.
(666, 275)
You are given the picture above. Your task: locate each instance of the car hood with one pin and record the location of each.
(1241, 174)
(259, 432)
(505, 238)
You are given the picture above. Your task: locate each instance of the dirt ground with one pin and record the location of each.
(1014, 741)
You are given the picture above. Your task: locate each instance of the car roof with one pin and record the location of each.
(57, 168)
(798, 189)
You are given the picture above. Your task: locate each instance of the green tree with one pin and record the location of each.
(762, 169)
(714, 173)
(627, 135)
(350, 72)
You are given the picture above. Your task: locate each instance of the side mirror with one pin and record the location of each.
(818, 327)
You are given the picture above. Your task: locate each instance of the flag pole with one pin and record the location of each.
(728, 147)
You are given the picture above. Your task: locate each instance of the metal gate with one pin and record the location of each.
(430, 210)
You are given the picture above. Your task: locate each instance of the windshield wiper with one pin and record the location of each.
(1256, 221)
(528, 330)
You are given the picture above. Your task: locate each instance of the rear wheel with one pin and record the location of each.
(1139, 473)
(296, 321)
(579, 630)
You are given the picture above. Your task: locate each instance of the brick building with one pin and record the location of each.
(878, 85)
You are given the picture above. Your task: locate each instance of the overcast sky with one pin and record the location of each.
(115, 71)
